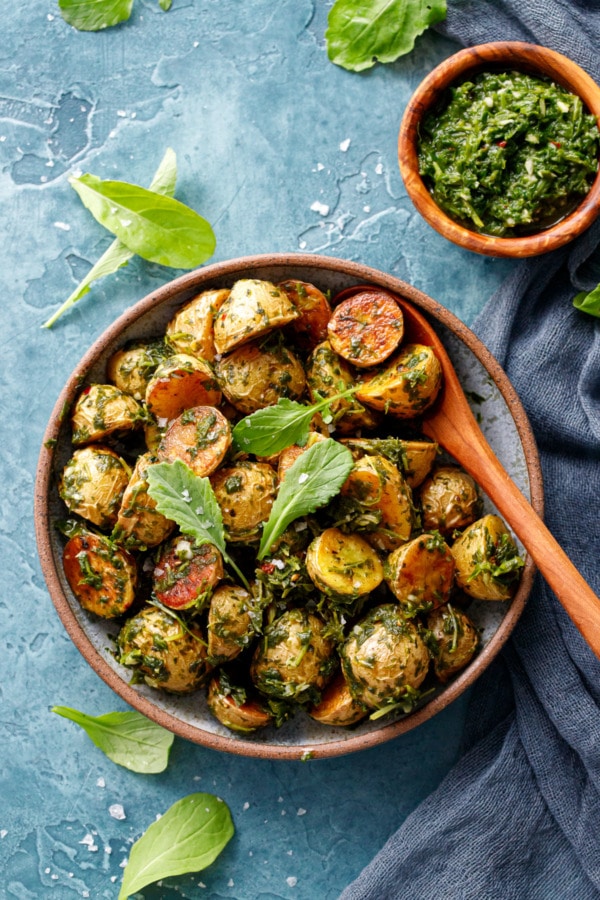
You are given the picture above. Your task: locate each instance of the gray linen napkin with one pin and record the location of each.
(519, 815)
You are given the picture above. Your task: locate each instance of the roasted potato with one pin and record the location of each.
(233, 621)
(384, 659)
(101, 410)
(233, 708)
(449, 500)
(92, 484)
(185, 573)
(376, 484)
(252, 309)
(131, 368)
(245, 492)
(181, 382)
(366, 328)
(342, 565)
(310, 328)
(255, 376)
(102, 575)
(414, 459)
(337, 705)
(190, 331)
(164, 653)
(288, 457)
(407, 386)
(420, 574)
(200, 437)
(139, 524)
(456, 640)
(487, 560)
(294, 660)
(328, 375)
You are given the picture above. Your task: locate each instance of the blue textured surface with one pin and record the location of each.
(281, 151)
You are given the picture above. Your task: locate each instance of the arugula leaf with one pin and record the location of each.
(310, 482)
(165, 4)
(588, 301)
(363, 32)
(190, 502)
(94, 15)
(118, 255)
(157, 228)
(273, 428)
(187, 838)
(127, 738)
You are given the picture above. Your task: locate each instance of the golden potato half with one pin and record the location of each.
(252, 309)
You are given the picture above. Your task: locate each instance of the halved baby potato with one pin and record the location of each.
(449, 499)
(253, 376)
(186, 573)
(290, 454)
(407, 386)
(366, 328)
(190, 331)
(200, 437)
(245, 492)
(376, 483)
(456, 640)
(310, 328)
(232, 621)
(131, 368)
(344, 565)
(101, 410)
(413, 459)
(487, 560)
(180, 383)
(327, 375)
(102, 575)
(252, 309)
(337, 705)
(92, 484)
(139, 524)
(233, 708)
(420, 574)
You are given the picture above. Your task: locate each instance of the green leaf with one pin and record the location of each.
(313, 479)
(157, 228)
(94, 15)
(273, 428)
(127, 738)
(190, 502)
(363, 32)
(588, 302)
(118, 255)
(187, 838)
(165, 4)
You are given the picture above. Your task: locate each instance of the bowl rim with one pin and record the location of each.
(186, 286)
(519, 55)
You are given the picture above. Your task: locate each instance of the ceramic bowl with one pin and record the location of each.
(503, 55)
(503, 421)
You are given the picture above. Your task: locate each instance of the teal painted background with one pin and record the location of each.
(281, 151)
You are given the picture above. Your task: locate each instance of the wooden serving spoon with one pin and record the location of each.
(451, 423)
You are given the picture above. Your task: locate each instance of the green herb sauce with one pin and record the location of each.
(509, 153)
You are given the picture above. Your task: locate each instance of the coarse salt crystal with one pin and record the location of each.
(344, 145)
(301, 812)
(116, 811)
(303, 478)
(321, 208)
(292, 880)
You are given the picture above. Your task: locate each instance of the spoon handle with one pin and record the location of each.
(477, 457)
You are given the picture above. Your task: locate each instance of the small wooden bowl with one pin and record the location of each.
(502, 55)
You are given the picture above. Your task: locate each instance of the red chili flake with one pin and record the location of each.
(86, 390)
(268, 567)
(502, 143)
(557, 144)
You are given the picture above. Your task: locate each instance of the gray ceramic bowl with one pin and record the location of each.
(503, 421)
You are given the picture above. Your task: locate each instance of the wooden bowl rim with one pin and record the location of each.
(498, 54)
(185, 287)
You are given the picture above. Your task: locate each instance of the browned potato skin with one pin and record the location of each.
(245, 492)
(357, 568)
(253, 377)
(252, 309)
(395, 389)
(381, 666)
(230, 624)
(96, 498)
(102, 576)
(327, 374)
(419, 456)
(310, 328)
(337, 707)
(101, 410)
(472, 546)
(366, 328)
(139, 523)
(379, 484)
(421, 572)
(185, 574)
(247, 717)
(181, 383)
(200, 437)
(190, 331)
(290, 454)
(449, 500)
(457, 640)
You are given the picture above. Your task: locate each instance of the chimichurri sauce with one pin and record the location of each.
(509, 153)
